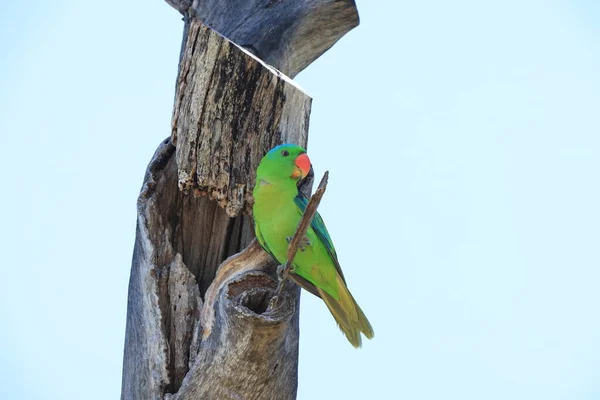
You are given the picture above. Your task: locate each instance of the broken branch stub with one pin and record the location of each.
(230, 109)
(306, 220)
(300, 234)
(288, 35)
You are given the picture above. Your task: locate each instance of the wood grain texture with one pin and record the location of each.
(196, 330)
(248, 349)
(287, 34)
(145, 360)
(182, 238)
(230, 109)
(171, 332)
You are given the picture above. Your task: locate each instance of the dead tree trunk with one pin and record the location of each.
(198, 325)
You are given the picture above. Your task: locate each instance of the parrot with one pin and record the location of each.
(277, 210)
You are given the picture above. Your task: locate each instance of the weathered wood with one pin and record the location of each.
(248, 350)
(288, 35)
(230, 109)
(182, 238)
(183, 312)
(145, 360)
(169, 328)
(193, 332)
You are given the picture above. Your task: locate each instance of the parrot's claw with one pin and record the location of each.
(302, 246)
(280, 272)
(281, 277)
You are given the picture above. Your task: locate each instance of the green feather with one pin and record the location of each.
(278, 208)
(319, 228)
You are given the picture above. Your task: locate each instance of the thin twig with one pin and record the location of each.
(305, 221)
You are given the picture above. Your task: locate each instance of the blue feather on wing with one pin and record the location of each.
(320, 230)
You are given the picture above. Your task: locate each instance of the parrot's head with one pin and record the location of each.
(286, 161)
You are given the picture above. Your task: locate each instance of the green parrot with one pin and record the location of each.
(278, 208)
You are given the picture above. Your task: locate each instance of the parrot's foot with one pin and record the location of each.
(302, 246)
(282, 272)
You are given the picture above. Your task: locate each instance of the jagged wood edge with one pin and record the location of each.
(288, 35)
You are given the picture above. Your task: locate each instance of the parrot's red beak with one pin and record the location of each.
(302, 166)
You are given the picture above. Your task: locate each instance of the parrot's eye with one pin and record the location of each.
(285, 153)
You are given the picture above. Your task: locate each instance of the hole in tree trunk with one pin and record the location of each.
(256, 300)
(253, 291)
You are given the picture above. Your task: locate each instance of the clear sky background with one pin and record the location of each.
(463, 143)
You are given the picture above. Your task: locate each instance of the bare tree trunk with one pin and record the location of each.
(199, 324)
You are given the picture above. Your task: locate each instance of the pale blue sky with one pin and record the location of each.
(463, 144)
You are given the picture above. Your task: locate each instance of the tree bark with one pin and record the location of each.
(230, 109)
(200, 324)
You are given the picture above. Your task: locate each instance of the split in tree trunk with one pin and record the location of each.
(194, 331)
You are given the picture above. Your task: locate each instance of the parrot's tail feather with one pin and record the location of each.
(351, 332)
(350, 318)
(365, 325)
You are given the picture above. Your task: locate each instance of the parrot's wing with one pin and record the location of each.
(318, 226)
(304, 283)
(262, 241)
(296, 278)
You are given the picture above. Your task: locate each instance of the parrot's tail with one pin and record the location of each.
(347, 313)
